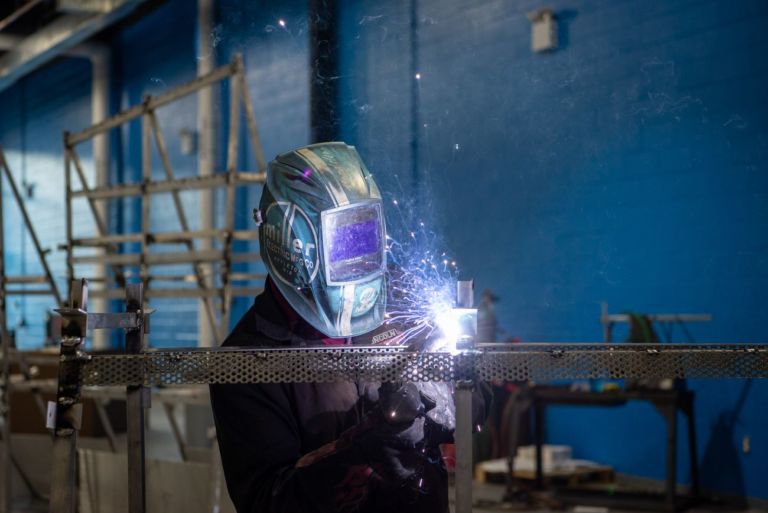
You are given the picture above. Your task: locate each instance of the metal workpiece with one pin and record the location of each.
(268, 365)
(537, 362)
(65, 414)
(547, 362)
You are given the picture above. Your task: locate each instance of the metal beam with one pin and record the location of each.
(164, 186)
(18, 13)
(154, 103)
(176, 293)
(87, 6)
(56, 38)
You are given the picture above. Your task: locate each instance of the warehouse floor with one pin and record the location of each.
(487, 497)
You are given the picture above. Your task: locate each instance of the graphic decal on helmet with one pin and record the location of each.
(291, 244)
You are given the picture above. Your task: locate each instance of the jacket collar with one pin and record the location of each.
(276, 319)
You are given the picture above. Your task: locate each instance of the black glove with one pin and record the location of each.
(441, 410)
(440, 419)
(393, 428)
(390, 431)
(386, 457)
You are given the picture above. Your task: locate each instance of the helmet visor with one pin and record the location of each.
(353, 242)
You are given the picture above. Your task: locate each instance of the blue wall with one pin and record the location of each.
(148, 58)
(276, 59)
(628, 166)
(172, 62)
(33, 118)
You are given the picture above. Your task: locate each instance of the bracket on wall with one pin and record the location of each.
(543, 30)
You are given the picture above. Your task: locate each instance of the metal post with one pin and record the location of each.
(68, 210)
(100, 58)
(6, 345)
(206, 128)
(136, 402)
(606, 322)
(253, 130)
(232, 146)
(464, 472)
(146, 174)
(64, 416)
(538, 438)
(670, 412)
(692, 456)
(30, 229)
(463, 438)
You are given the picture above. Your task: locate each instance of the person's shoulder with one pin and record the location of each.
(261, 326)
(246, 332)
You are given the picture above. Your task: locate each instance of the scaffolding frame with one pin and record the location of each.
(10, 355)
(202, 260)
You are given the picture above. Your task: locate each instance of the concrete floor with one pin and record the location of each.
(488, 499)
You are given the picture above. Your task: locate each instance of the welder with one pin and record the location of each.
(321, 447)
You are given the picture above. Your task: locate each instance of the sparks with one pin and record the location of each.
(422, 286)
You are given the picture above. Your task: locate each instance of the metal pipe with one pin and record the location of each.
(5, 340)
(28, 222)
(56, 38)
(180, 293)
(154, 103)
(100, 58)
(161, 186)
(206, 62)
(463, 440)
(18, 13)
(136, 404)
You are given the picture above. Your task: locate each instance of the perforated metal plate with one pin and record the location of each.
(546, 362)
(539, 362)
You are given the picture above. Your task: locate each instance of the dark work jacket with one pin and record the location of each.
(264, 429)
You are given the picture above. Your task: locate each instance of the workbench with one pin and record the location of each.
(667, 402)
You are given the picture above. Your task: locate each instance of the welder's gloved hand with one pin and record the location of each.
(400, 430)
(440, 412)
(386, 438)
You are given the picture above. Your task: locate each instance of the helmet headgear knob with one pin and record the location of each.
(257, 218)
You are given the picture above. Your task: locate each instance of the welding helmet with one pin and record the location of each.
(322, 238)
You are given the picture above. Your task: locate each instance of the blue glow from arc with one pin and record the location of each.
(422, 283)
